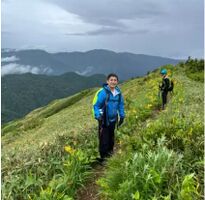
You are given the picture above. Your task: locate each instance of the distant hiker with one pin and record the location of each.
(165, 87)
(107, 105)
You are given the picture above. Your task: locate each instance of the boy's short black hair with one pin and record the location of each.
(112, 74)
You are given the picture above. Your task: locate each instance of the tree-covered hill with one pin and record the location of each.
(22, 93)
(159, 156)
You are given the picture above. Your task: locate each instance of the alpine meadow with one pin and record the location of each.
(159, 154)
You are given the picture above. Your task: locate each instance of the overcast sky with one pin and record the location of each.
(171, 28)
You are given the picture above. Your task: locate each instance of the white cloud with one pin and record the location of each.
(14, 68)
(9, 59)
(46, 70)
(87, 71)
(7, 50)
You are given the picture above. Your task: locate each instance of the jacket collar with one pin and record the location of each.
(106, 87)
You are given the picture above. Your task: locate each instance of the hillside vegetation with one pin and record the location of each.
(48, 154)
(22, 93)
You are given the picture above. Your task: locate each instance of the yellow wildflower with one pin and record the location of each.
(148, 106)
(69, 149)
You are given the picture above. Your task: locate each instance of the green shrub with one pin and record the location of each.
(151, 173)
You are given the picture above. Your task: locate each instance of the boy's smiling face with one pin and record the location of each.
(112, 82)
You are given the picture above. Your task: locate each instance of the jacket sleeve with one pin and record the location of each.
(99, 104)
(121, 107)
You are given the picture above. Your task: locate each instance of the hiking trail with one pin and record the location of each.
(91, 190)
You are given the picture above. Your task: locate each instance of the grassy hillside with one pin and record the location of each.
(22, 93)
(47, 154)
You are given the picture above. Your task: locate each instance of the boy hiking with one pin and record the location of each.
(165, 87)
(108, 104)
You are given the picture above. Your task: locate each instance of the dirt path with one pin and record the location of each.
(90, 191)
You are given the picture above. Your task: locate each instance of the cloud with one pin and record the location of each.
(164, 28)
(14, 68)
(5, 32)
(6, 50)
(9, 59)
(87, 71)
(109, 31)
(25, 47)
(110, 12)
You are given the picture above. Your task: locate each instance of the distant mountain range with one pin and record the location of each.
(126, 65)
(33, 78)
(21, 93)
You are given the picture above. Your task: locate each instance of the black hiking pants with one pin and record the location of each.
(164, 99)
(106, 140)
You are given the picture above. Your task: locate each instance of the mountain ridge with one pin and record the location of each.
(125, 64)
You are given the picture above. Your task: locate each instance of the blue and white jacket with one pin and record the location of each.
(115, 104)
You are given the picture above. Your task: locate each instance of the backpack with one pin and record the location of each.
(106, 100)
(171, 86)
(96, 98)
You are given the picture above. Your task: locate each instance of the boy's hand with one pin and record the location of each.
(121, 121)
(100, 119)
